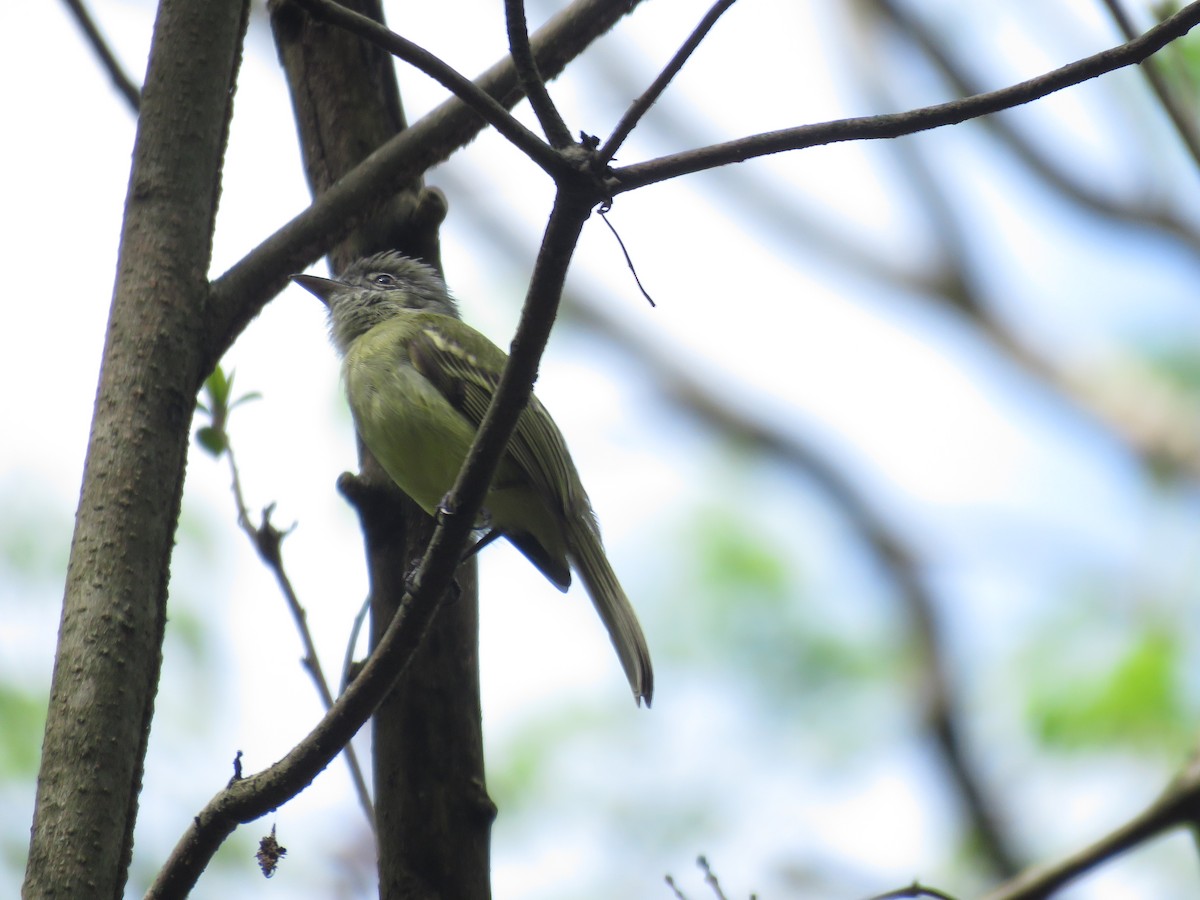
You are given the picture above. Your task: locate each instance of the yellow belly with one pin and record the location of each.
(418, 438)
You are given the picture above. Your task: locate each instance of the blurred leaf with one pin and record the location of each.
(752, 609)
(1182, 56)
(212, 440)
(733, 555)
(1137, 703)
(1179, 366)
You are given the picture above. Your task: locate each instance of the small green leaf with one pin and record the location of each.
(217, 386)
(213, 440)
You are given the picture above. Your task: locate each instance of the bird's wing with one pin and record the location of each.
(467, 375)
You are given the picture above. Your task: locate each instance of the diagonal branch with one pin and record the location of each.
(1178, 806)
(121, 81)
(897, 557)
(240, 293)
(268, 541)
(458, 84)
(1139, 210)
(247, 799)
(532, 84)
(642, 104)
(868, 128)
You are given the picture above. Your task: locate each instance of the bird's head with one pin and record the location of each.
(373, 290)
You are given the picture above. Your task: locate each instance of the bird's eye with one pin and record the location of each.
(383, 279)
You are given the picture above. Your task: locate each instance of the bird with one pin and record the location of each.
(418, 381)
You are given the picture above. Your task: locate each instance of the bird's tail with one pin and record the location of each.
(587, 555)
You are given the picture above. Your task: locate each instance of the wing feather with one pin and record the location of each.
(467, 377)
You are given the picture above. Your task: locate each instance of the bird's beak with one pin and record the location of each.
(324, 288)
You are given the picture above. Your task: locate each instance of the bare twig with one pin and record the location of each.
(1139, 210)
(459, 85)
(867, 128)
(122, 82)
(239, 294)
(642, 104)
(268, 541)
(628, 259)
(710, 877)
(1168, 442)
(894, 554)
(251, 797)
(1178, 806)
(532, 84)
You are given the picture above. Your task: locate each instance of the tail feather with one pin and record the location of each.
(587, 555)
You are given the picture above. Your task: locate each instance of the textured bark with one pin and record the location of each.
(110, 639)
(432, 814)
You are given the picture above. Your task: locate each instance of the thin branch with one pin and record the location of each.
(642, 104)
(1184, 123)
(252, 797)
(1179, 805)
(268, 541)
(532, 84)
(710, 878)
(516, 383)
(899, 560)
(865, 128)
(239, 294)
(628, 259)
(1168, 442)
(123, 83)
(1138, 210)
(459, 85)
(752, 188)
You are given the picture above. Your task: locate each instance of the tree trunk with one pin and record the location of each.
(110, 639)
(432, 813)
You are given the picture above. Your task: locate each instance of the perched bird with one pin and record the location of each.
(419, 381)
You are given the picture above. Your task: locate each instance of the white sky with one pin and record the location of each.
(959, 450)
